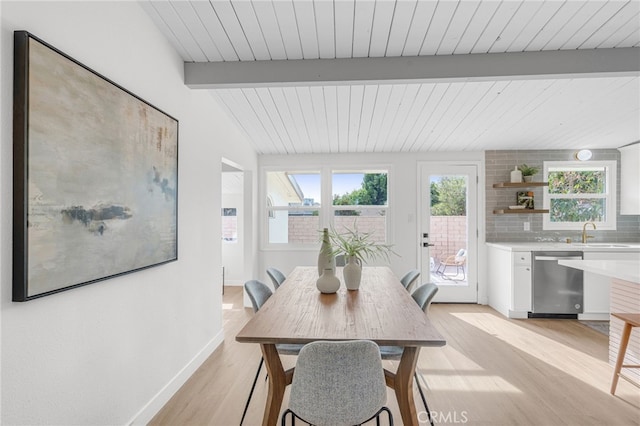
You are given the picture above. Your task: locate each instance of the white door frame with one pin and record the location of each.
(473, 293)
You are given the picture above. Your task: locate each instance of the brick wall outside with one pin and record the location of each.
(229, 228)
(448, 233)
(303, 229)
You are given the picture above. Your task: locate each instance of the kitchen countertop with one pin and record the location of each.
(627, 270)
(557, 246)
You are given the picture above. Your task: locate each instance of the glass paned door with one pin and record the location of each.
(449, 231)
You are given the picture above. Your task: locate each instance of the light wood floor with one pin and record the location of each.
(493, 371)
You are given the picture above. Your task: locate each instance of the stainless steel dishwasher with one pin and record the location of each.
(557, 289)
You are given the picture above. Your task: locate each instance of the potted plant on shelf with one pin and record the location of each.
(528, 172)
(357, 247)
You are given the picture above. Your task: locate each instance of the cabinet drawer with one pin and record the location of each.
(522, 258)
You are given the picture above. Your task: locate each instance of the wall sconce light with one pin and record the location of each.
(583, 155)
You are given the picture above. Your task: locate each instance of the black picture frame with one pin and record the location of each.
(95, 175)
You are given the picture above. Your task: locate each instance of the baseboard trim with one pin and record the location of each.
(593, 316)
(518, 314)
(147, 412)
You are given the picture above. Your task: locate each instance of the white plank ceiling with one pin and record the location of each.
(558, 113)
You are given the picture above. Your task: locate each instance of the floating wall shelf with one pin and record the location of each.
(519, 211)
(519, 184)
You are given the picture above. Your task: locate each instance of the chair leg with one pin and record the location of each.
(424, 400)
(283, 420)
(253, 386)
(388, 414)
(377, 417)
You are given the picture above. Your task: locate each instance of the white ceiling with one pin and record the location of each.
(567, 111)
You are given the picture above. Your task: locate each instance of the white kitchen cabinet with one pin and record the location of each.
(499, 266)
(509, 276)
(521, 283)
(630, 179)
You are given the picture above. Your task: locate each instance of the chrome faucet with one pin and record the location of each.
(585, 237)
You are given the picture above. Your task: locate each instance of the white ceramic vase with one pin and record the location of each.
(328, 282)
(352, 273)
(325, 258)
(516, 175)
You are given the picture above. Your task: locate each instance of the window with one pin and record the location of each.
(293, 207)
(580, 192)
(294, 201)
(360, 200)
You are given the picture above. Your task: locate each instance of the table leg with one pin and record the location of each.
(277, 384)
(403, 385)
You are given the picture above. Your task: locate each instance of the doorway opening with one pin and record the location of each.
(232, 221)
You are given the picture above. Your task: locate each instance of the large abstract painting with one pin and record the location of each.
(95, 175)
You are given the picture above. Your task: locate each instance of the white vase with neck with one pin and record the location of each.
(516, 175)
(352, 273)
(328, 282)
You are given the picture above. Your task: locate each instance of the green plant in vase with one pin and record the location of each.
(528, 172)
(357, 247)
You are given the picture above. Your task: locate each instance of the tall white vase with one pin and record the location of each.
(325, 257)
(352, 273)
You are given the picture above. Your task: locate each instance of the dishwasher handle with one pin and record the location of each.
(557, 258)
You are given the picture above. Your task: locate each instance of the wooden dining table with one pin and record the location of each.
(381, 310)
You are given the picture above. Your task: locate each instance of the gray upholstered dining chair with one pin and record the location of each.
(423, 296)
(259, 293)
(276, 276)
(409, 278)
(338, 383)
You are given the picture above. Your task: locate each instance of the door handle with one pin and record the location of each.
(427, 245)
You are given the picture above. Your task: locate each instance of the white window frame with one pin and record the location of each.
(611, 168)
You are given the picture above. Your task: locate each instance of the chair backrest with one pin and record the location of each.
(409, 278)
(258, 293)
(461, 255)
(423, 295)
(338, 383)
(276, 276)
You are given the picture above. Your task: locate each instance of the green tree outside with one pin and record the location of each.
(449, 197)
(372, 193)
(585, 209)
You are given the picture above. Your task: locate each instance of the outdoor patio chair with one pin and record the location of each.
(457, 260)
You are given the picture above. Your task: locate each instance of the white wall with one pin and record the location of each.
(403, 205)
(113, 352)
